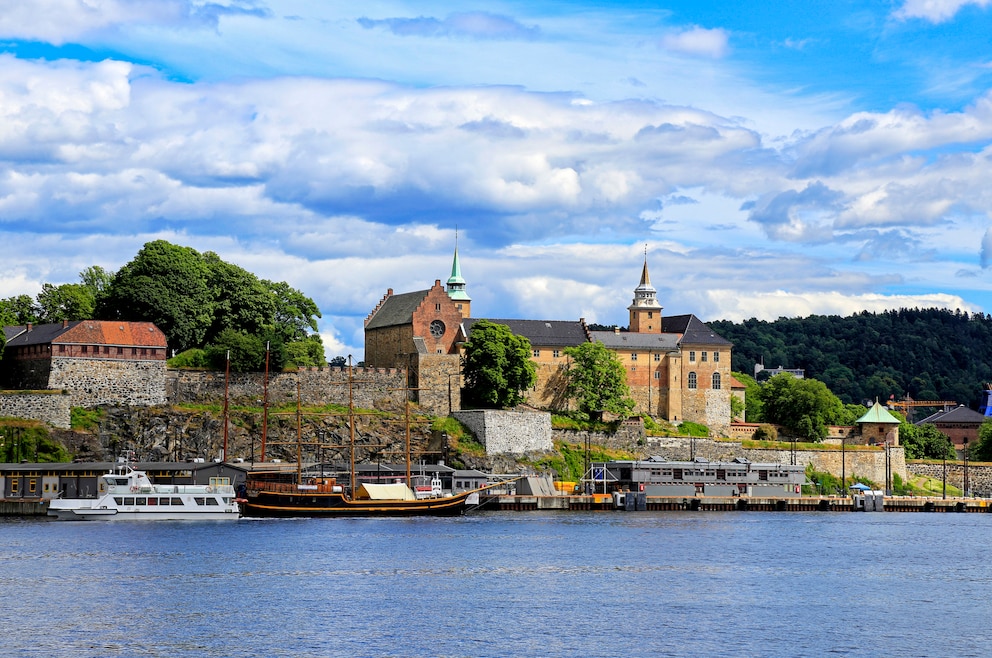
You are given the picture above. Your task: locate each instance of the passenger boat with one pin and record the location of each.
(128, 494)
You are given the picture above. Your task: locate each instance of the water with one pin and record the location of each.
(502, 584)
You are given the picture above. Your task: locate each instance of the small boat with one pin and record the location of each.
(128, 494)
(323, 496)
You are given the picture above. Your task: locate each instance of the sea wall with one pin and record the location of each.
(93, 382)
(50, 407)
(509, 432)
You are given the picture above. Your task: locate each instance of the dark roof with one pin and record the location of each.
(397, 309)
(960, 414)
(694, 331)
(10, 332)
(631, 340)
(540, 333)
(91, 332)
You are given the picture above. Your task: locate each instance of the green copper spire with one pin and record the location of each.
(456, 284)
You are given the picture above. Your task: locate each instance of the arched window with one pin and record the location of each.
(692, 380)
(716, 381)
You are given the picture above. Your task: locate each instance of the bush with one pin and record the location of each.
(689, 428)
(766, 433)
(191, 358)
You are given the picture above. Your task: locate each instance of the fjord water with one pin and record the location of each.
(502, 584)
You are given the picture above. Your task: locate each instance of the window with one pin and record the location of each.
(120, 350)
(537, 354)
(85, 348)
(692, 380)
(716, 381)
(556, 354)
(106, 349)
(702, 357)
(657, 357)
(61, 348)
(437, 307)
(716, 357)
(657, 375)
(650, 314)
(692, 357)
(633, 356)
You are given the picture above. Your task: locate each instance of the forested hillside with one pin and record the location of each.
(928, 354)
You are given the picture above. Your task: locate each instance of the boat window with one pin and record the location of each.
(119, 501)
(177, 501)
(164, 501)
(129, 501)
(139, 501)
(153, 501)
(121, 482)
(212, 501)
(198, 500)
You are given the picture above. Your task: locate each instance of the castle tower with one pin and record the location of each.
(456, 287)
(645, 311)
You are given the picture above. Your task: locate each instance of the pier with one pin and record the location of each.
(604, 502)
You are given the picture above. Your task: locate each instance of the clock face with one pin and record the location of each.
(437, 329)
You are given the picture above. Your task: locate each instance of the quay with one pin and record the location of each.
(606, 502)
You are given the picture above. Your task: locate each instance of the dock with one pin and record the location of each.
(604, 502)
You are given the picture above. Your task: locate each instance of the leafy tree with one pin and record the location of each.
(306, 352)
(295, 313)
(804, 406)
(247, 353)
(240, 300)
(168, 285)
(496, 366)
(925, 442)
(753, 408)
(597, 381)
(97, 280)
(69, 301)
(982, 450)
(18, 310)
(338, 362)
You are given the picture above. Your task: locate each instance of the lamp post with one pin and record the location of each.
(945, 476)
(843, 466)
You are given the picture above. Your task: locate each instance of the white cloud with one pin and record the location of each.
(698, 42)
(776, 304)
(935, 11)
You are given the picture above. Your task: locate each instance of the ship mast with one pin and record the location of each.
(351, 427)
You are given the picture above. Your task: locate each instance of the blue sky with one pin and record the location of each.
(773, 158)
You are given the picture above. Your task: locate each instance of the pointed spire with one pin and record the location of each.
(456, 284)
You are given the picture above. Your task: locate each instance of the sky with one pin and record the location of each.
(769, 159)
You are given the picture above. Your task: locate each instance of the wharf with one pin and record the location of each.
(604, 502)
(23, 507)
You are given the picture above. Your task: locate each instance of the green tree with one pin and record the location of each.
(753, 407)
(804, 406)
(247, 353)
(168, 285)
(925, 442)
(97, 280)
(496, 366)
(69, 301)
(18, 310)
(597, 381)
(306, 352)
(240, 300)
(295, 314)
(982, 450)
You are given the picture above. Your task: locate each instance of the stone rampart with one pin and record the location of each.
(370, 388)
(979, 475)
(93, 382)
(48, 407)
(509, 432)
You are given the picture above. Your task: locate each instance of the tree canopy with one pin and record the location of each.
(925, 442)
(803, 406)
(927, 354)
(597, 381)
(496, 366)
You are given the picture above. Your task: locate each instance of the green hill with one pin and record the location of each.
(928, 354)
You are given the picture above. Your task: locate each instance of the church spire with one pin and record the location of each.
(645, 311)
(456, 284)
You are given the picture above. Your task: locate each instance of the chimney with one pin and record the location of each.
(65, 323)
(30, 326)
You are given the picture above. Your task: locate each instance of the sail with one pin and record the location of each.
(397, 491)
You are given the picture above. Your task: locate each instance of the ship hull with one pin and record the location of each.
(279, 504)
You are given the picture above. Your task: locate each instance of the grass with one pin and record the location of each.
(85, 420)
(569, 461)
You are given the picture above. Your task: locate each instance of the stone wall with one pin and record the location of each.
(439, 385)
(93, 382)
(371, 388)
(629, 435)
(48, 407)
(979, 476)
(509, 432)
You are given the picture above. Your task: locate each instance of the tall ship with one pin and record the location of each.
(127, 494)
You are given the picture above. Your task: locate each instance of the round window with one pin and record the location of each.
(437, 329)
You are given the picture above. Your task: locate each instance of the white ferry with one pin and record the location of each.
(128, 494)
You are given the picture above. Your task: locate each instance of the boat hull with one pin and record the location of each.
(90, 514)
(319, 504)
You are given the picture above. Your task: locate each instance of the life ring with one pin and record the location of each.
(134, 489)
(210, 489)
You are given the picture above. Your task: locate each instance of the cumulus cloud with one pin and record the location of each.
(698, 42)
(472, 25)
(985, 258)
(934, 11)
